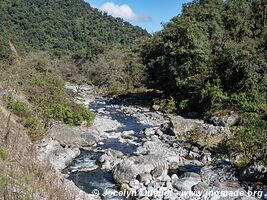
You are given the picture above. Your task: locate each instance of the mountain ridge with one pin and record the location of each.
(70, 27)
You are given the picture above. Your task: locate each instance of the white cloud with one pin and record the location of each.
(123, 11)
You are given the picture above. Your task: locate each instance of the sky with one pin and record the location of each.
(148, 14)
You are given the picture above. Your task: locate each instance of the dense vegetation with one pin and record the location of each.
(212, 58)
(61, 27)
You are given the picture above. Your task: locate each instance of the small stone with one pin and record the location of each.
(144, 178)
(174, 177)
(159, 132)
(135, 184)
(149, 131)
(156, 107)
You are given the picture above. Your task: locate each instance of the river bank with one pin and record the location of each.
(132, 148)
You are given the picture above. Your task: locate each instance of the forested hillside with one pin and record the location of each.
(212, 59)
(214, 52)
(61, 27)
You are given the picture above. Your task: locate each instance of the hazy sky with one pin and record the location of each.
(148, 14)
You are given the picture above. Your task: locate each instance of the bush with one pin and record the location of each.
(17, 107)
(72, 115)
(212, 96)
(166, 104)
(27, 118)
(3, 155)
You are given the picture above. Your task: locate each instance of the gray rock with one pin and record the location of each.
(185, 184)
(103, 158)
(144, 178)
(128, 170)
(59, 157)
(159, 172)
(191, 175)
(254, 172)
(174, 177)
(67, 135)
(156, 107)
(200, 187)
(135, 184)
(149, 131)
(182, 125)
(106, 165)
(227, 120)
(114, 153)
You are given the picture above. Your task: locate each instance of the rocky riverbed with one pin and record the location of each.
(144, 153)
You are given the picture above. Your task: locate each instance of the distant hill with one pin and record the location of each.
(61, 27)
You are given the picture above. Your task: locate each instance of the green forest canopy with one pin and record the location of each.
(61, 27)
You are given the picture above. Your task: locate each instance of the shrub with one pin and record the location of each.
(212, 96)
(166, 104)
(73, 114)
(17, 107)
(3, 155)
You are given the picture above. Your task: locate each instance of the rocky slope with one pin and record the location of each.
(148, 155)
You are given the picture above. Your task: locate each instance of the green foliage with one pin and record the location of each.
(212, 57)
(195, 136)
(249, 141)
(211, 54)
(184, 104)
(28, 119)
(212, 96)
(17, 107)
(62, 28)
(3, 155)
(166, 104)
(73, 115)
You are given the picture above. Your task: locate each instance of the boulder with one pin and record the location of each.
(128, 170)
(182, 125)
(58, 156)
(190, 175)
(185, 184)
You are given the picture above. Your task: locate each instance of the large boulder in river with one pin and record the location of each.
(130, 168)
(59, 157)
(74, 136)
